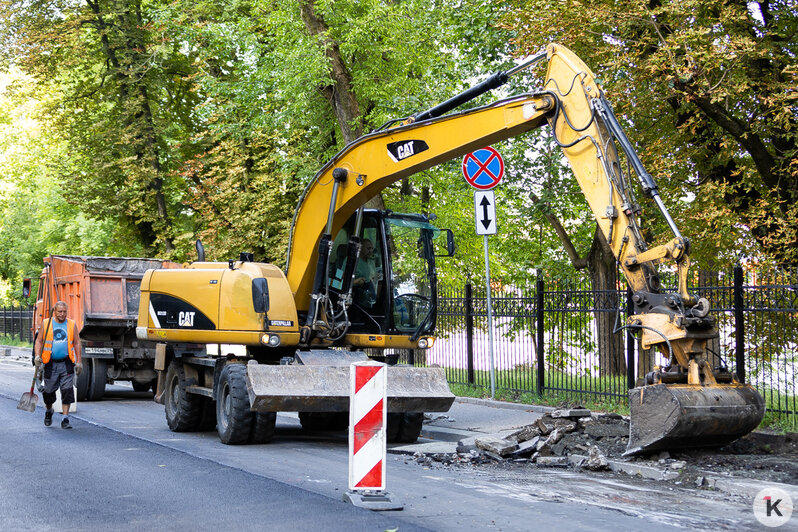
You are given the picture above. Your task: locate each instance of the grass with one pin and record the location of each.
(13, 341)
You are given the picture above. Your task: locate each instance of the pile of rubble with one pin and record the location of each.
(563, 437)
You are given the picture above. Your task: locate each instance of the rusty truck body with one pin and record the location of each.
(103, 297)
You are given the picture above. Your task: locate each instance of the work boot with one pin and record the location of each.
(65, 423)
(48, 418)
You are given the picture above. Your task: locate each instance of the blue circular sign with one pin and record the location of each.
(483, 168)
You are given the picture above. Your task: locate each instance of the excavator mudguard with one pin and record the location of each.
(673, 416)
(321, 382)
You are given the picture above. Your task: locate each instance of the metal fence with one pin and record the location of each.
(16, 322)
(560, 337)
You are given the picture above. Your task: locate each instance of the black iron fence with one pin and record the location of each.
(16, 322)
(560, 337)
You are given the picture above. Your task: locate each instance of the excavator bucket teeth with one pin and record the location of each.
(674, 416)
(299, 388)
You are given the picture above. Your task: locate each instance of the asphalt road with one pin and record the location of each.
(93, 478)
(127, 468)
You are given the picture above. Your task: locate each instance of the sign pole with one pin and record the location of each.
(490, 322)
(483, 169)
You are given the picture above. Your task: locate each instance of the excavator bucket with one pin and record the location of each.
(673, 416)
(320, 383)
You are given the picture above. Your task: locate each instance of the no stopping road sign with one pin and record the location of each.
(483, 168)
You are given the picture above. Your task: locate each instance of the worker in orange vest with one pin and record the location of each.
(59, 351)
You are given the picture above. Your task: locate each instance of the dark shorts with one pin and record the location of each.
(58, 378)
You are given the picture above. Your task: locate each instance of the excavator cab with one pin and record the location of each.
(392, 287)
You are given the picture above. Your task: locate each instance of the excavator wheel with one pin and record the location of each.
(233, 414)
(404, 427)
(262, 427)
(183, 410)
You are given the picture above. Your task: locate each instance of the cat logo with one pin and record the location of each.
(399, 151)
(185, 319)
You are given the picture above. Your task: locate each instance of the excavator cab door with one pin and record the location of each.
(394, 287)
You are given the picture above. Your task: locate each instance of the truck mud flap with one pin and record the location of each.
(299, 388)
(674, 416)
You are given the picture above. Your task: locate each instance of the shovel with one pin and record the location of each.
(29, 399)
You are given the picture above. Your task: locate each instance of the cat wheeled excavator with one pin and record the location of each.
(241, 340)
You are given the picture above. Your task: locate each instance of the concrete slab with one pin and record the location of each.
(437, 447)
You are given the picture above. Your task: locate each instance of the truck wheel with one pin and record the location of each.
(404, 427)
(233, 416)
(262, 427)
(183, 409)
(83, 381)
(99, 375)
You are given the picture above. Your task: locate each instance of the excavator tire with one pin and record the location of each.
(404, 427)
(183, 410)
(262, 427)
(233, 415)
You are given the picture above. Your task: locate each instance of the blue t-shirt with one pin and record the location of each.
(60, 336)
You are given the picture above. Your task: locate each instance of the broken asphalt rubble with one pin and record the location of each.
(482, 432)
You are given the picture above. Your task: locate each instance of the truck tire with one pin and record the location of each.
(183, 410)
(262, 427)
(404, 427)
(83, 381)
(99, 375)
(233, 416)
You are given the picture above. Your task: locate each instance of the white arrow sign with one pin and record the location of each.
(485, 212)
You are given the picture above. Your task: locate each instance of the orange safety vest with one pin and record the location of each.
(47, 349)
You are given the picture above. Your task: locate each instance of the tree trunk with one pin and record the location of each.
(604, 282)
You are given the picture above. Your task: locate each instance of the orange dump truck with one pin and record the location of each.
(103, 297)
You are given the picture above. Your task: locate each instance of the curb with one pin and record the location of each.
(502, 404)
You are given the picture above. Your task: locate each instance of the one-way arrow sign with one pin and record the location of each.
(485, 212)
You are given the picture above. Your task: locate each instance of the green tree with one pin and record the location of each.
(120, 100)
(707, 91)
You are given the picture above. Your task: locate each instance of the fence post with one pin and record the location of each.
(541, 374)
(739, 324)
(12, 322)
(469, 316)
(631, 374)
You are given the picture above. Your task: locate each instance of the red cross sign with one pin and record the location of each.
(483, 168)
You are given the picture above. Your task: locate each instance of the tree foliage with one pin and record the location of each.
(708, 93)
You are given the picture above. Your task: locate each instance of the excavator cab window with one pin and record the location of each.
(393, 286)
(409, 242)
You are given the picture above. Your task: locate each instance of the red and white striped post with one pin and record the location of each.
(368, 415)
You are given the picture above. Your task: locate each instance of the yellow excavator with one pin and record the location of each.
(242, 340)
